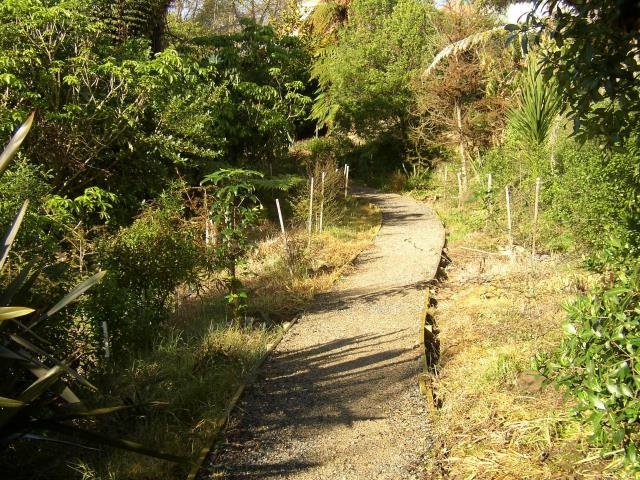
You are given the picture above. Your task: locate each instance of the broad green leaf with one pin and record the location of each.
(10, 403)
(73, 295)
(72, 398)
(10, 236)
(40, 386)
(62, 390)
(16, 284)
(100, 439)
(599, 404)
(626, 391)
(31, 393)
(613, 389)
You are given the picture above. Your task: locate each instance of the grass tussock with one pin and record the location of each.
(201, 358)
(498, 420)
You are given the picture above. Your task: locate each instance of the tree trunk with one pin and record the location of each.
(461, 148)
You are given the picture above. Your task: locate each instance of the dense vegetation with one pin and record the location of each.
(164, 131)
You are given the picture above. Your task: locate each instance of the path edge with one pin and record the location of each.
(222, 422)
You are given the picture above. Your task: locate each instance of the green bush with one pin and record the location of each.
(146, 263)
(594, 195)
(598, 362)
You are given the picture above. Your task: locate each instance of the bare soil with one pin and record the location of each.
(339, 397)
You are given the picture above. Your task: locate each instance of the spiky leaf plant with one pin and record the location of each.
(538, 105)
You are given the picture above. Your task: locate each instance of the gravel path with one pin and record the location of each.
(339, 397)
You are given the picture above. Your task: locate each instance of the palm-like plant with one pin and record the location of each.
(538, 105)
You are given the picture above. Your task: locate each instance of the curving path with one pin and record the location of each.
(339, 397)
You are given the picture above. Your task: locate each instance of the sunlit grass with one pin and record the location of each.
(279, 294)
(494, 314)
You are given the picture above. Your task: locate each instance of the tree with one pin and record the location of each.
(591, 48)
(365, 77)
(461, 100)
(226, 16)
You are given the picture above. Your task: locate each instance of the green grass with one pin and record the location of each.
(194, 369)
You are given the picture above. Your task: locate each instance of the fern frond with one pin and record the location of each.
(465, 44)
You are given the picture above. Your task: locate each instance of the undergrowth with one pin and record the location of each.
(495, 312)
(201, 357)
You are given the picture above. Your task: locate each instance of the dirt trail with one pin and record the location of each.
(339, 398)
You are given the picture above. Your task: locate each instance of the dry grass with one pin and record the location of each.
(279, 294)
(495, 313)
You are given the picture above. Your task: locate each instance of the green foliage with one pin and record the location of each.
(135, 19)
(595, 194)
(146, 262)
(320, 156)
(20, 182)
(598, 363)
(538, 106)
(365, 77)
(111, 113)
(45, 408)
(268, 81)
(94, 200)
(585, 48)
(234, 210)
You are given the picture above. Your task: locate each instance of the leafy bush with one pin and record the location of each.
(598, 363)
(20, 182)
(146, 262)
(595, 194)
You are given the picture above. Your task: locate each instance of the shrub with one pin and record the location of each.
(598, 363)
(146, 262)
(595, 194)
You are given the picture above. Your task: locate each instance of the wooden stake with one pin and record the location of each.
(206, 217)
(346, 180)
(506, 190)
(310, 226)
(444, 182)
(489, 183)
(459, 190)
(105, 332)
(322, 200)
(284, 236)
(535, 217)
